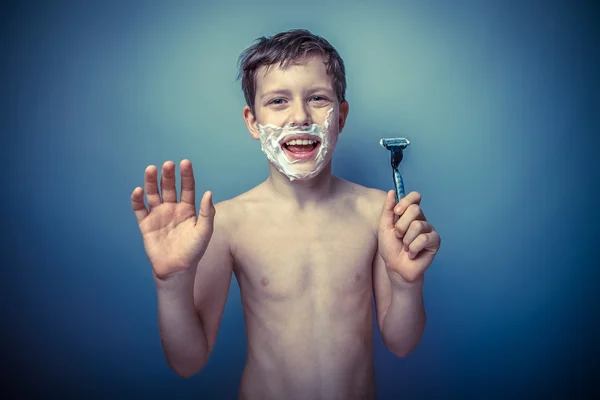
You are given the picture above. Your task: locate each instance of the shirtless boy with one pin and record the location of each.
(308, 249)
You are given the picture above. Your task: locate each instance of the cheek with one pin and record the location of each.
(267, 117)
(333, 139)
(331, 120)
(332, 128)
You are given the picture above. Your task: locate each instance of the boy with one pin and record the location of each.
(307, 248)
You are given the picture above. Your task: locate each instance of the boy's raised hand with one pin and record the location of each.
(175, 238)
(407, 241)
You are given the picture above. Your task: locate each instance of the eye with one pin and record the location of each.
(277, 101)
(318, 98)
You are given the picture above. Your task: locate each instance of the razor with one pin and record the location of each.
(395, 146)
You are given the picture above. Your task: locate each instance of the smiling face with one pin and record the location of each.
(297, 117)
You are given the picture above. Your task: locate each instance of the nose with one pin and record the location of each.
(300, 116)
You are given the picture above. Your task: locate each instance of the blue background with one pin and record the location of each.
(500, 102)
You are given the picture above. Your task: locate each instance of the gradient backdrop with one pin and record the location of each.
(500, 102)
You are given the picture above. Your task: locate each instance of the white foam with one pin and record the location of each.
(271, 136)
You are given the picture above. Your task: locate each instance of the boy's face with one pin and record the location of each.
(288, 102)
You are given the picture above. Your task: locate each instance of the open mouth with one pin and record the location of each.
(301, 148)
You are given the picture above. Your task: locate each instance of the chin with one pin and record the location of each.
(309, 175)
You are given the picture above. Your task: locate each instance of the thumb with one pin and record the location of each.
(388, 217)
(207, 209)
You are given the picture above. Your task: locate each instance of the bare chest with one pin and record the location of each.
(289, 257)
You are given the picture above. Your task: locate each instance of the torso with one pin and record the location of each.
(306, 285)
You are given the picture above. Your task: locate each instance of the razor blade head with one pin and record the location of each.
(395, 143)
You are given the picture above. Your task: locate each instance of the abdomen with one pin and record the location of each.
(309, 349)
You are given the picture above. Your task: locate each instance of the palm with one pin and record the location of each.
(390, 248)
(175, 237)
(393, 235)
(171, 237)
(396, 257)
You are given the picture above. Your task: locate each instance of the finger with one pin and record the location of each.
(151, 187)
(167, 183)
(137, 203)
(188, 186)
(207, 210)
(387, 212)
(415, 229)
(424, 242)
(406, 201)
(412, 213)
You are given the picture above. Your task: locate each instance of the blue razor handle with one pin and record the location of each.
(395, 146)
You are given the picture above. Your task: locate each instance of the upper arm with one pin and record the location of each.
(213, 276)
(382, 288)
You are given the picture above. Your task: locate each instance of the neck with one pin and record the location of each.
(302, 193)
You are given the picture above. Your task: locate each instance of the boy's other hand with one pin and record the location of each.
(175, 238)
(407, 242)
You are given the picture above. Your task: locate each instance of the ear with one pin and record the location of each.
(343, 114)
(251, 122)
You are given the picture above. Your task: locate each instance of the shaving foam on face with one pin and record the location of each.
(272, 137)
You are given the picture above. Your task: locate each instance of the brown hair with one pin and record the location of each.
(285, 48)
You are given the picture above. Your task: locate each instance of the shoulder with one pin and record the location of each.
(234, 210)
(235, 215)
(363, 195)
(368, 201)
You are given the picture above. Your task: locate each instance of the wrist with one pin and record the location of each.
(400, 283)
(178, 282)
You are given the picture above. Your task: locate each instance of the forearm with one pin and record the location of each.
(181, 331)
(404, 321)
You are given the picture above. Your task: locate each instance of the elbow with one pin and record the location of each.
(402, 348)
(186, 371)
(188, 368)
(403, 352)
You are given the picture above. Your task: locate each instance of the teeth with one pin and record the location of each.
(297, 142)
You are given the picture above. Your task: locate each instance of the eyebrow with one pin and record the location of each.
(322, 89)
(273, 92)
